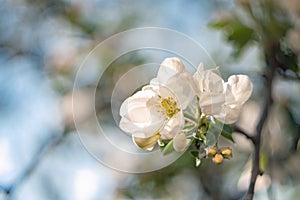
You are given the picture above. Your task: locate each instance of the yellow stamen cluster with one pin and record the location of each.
(170, 106)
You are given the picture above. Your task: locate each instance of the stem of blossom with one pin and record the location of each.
(190, 118)
(189, 128)
(198, 108)
(270, 55)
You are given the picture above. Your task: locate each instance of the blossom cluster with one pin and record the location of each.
(177, 108)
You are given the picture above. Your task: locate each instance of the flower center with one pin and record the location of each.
(170, 106)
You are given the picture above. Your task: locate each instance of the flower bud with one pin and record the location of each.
(226, 152)
(217, 159)
(211, 152)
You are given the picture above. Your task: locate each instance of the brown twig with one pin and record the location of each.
(269, 76)
(243, 132)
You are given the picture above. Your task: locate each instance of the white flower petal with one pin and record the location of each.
(210, 90)
(173, 80)
(180, 143)
(124, 107)
(207, 81)
(140, 114)
(229, 114)
(211, 104)
(142, 130)
(182, 86)
(168, 68)
(138, 99)
(172, 127)
(154, 82)
(239, 89)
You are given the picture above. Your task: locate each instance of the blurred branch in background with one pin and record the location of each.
(52, 37)
(47, 146)
(268, 24)
(244, 133)
(49, 38)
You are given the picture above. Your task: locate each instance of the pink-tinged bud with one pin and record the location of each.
(211, 152)
(217, 159)
(226, 152)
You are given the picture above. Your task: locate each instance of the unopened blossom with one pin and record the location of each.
(209, 89)
(226, 152)
(238, 90)
(218, 159)
(222, 100)
(212, 151)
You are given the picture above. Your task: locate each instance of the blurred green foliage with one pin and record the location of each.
(261, 23)
(265, 22)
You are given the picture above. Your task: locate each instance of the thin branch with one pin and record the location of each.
(4, 189)
(269, 76)
(244, 133)
(43, 149)
(290, 77)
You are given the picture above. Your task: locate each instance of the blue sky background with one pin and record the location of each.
(40, 50)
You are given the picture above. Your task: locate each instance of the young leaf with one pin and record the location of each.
(194, 153)
(189, 127)
(211, 138)
(227, 132)
(236, 32)
(168, 148)
(213, 134)
(225, 129)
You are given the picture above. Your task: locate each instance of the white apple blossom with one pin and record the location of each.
(174, 76)
(209, 89)
(222, 100)
(238, 90)
(157, 110)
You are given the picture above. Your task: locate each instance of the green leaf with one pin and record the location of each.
(190, 117)
(236, 32)
(211, 137)
(168, 148)
(240, 36)
(220, 24)
(194, 153)
(225, 129)
(227, 132)
(189, 127)
(287, 59)
(212, 134)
